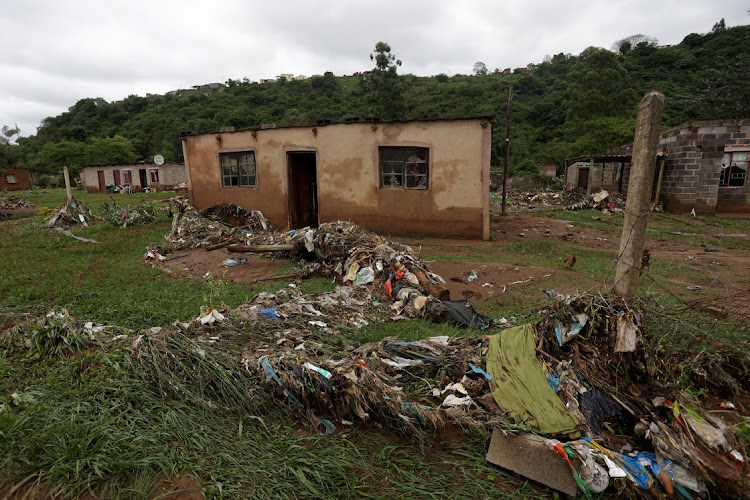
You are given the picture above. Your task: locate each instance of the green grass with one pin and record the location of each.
(97, 422)
(53, 198)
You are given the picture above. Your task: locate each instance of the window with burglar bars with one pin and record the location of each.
(404, 168)
(734, 169)
(238, 169)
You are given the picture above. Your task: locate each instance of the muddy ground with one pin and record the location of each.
(721, 272)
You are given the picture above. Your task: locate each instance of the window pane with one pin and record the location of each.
(743, 156)
(393, 154)
(738, 173)
(405, 168)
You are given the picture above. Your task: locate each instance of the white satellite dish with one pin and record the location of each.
(159, 159)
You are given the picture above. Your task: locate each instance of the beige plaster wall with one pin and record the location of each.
(456, 203)
(170, 174)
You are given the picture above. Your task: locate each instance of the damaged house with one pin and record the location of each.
(426, 177)
(701, 165)
(133, 176)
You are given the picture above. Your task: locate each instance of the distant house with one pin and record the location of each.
(136, 176)
(548, 169)
(16, 179)
(427, 177)
(705, 166)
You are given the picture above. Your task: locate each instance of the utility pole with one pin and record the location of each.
(633, 236)
(507, 147)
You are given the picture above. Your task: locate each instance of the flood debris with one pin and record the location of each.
(142, 213)
(72, 212)
(586, 380)
(547, 199)
(12, 202)
(612, 419)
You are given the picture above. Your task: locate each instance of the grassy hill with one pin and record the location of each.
(567, 105)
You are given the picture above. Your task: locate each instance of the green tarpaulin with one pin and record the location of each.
(520, 386)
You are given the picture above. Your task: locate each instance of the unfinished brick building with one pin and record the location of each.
(704, 167)
(16, 179)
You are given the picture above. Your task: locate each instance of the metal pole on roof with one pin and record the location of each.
(507, 147)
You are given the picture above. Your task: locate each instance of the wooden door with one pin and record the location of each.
(583, 178)
(116, 173)
(102, 185)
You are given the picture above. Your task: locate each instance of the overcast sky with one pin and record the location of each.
(55, 52)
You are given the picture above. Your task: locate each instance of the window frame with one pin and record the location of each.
(727, 167)
(8, 178)
(153, 174)
(236, 155)
(409, 173)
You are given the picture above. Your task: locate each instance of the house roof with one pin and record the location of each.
(606, 158)
(347, 121)
(134, 164)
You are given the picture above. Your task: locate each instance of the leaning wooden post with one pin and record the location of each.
(633, 236)
(67, 184)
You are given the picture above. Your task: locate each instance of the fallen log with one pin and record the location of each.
(262, 248)
(218, 245)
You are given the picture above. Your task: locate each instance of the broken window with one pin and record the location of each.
(404, 168)
(238, 169)
(11, 179)
(154, 173)
(734, 169)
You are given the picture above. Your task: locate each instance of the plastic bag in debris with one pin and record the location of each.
(713, 437)
(209, 316)
(594, 475)
(626, 333)
(465, 315)
(269, 312)
(351, 273)
(364, 276)
(234, 262)
(565, 333)
(598, 407)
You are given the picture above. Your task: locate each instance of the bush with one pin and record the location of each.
(42, 181)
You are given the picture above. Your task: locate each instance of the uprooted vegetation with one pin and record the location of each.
(137, 395)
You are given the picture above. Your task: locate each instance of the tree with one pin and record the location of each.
(6, 140)
(109, 151)
(720, 26)
(383, 85)
(624, 45)
(480, 69)
(598, 85)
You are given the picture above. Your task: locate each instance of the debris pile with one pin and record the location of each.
(14, 203)
(571, 199)
(143, 213)
(588, 377)
(583, 372)
(224, 224)
(70, 213)
(603, 200)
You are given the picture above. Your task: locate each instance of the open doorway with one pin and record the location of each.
(142, 176)
(303, 190)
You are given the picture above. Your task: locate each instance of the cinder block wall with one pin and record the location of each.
(695, 151)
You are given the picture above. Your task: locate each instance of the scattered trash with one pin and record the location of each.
(234, 262)
(12, 202)
(69, 233)
(209, 316)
